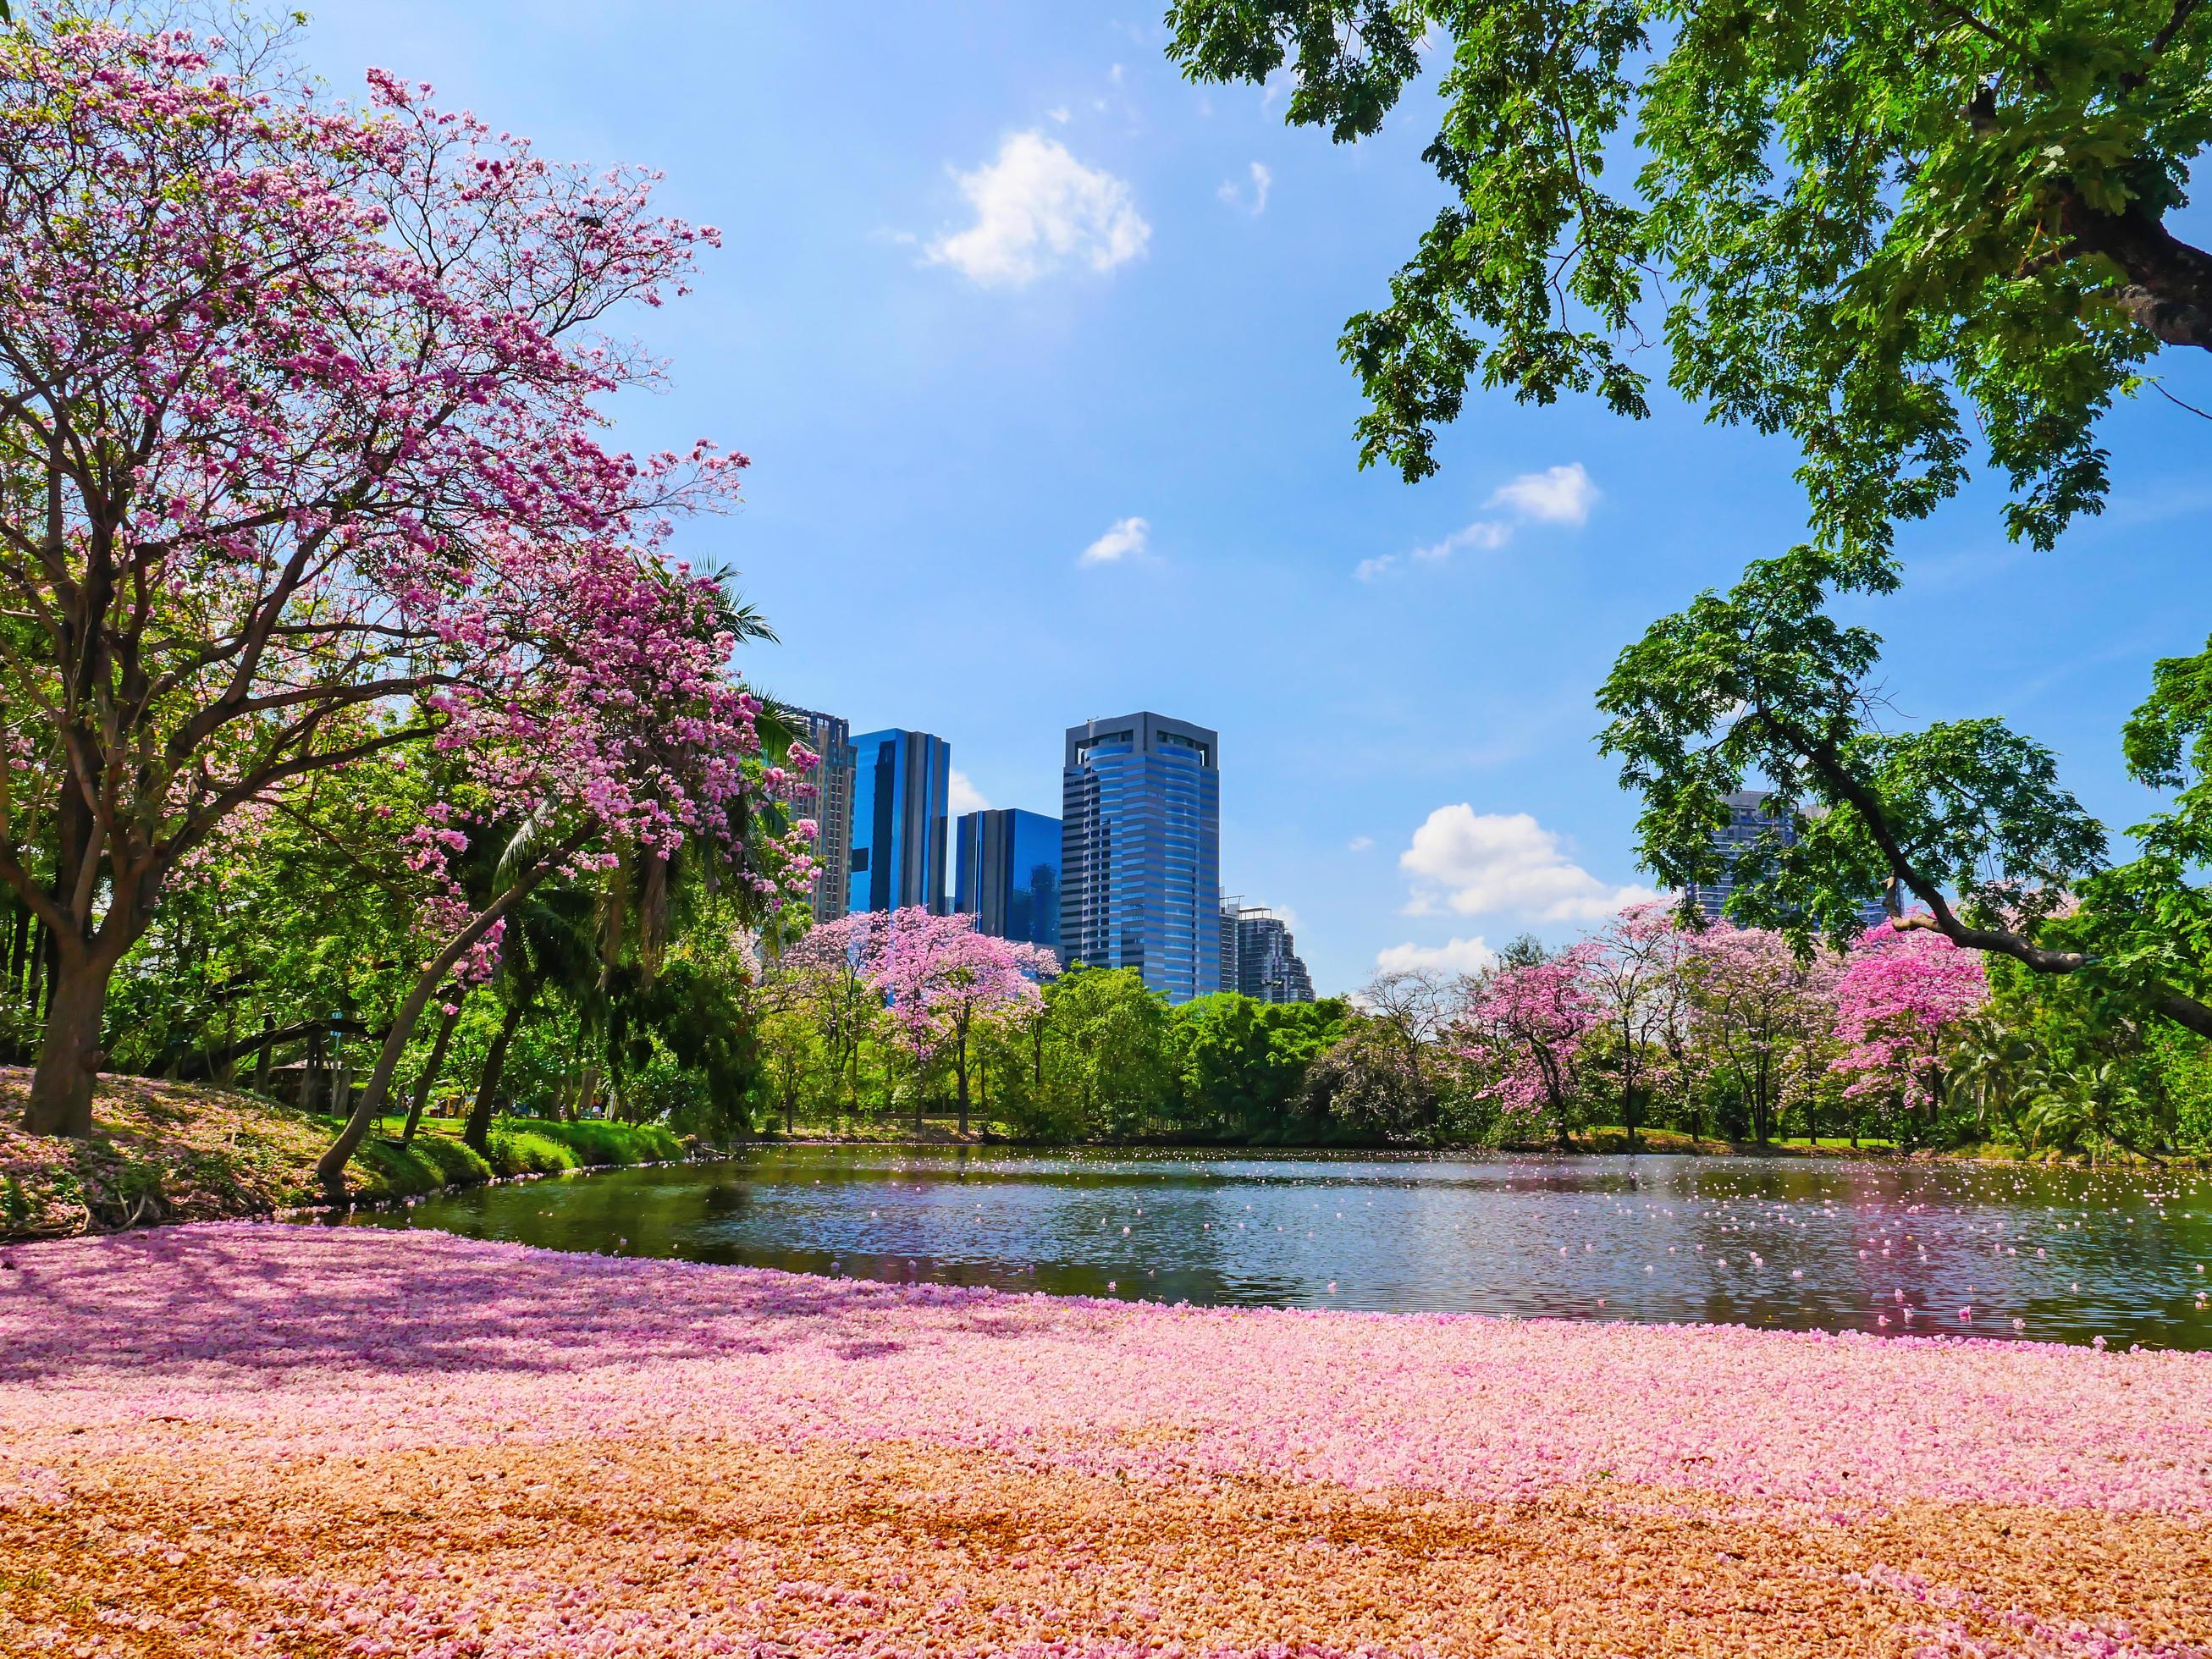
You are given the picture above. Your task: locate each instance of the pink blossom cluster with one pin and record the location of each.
(1681, 1002)
(1528, 1024)
(358, 352)
(938, 974)
(1902, 997)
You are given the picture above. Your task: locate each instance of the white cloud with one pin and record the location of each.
(961, 796)
(1125, 538)
(1233, 193)
(1485, 534)
(1359, 843)
(1458, 955)
(1059, 114)
(1479, 864)
(1038, 207)
(1558, 494)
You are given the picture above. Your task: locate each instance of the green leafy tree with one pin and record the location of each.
(1965, 816)
(1878, 228)
(1241, 1062)
(1105, 1044)
(1910, 241)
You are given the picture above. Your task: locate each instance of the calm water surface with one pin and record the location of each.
(1887, 1247)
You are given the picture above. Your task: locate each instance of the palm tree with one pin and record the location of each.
(548, 944)
(2002, 1067)
(2087, 1101)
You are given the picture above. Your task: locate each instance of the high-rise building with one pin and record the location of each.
(1006, 873)
(830, 737)
(1140, 860)
(1754, 816)
(1265, 965)
(900, 780)
(1748, 824)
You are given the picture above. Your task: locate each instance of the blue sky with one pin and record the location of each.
(998, 288)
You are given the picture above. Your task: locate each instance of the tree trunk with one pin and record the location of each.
(430, 1068)
(960, 1068)
(477, 1132)
(331, 1168)
(70, 1055)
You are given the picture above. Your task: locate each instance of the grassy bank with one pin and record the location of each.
(180, 1152)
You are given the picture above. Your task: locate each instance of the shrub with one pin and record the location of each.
(419, 1166)
(517, 1151)
(594, 1141)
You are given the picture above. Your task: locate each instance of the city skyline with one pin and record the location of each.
(875, 825)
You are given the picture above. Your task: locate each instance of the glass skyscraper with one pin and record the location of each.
(1006, 873)
(900, 780)
(1259, 958)
(1140, 851)
(1756, 820)
(830, 737)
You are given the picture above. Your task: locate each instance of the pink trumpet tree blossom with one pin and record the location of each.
(299, 423)
(635, 736)
(829, 970)
(1761, 1009)
(1634, 972)
(942, 976)
(1898, 1003)
(1528, 1024)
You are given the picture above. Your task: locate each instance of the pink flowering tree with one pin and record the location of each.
(1634, 973)
(1901, 1002)
(637, 745)
(1761, 1011)
(943, 978)
(828, 975)
(1527, 1025)
(298, 420)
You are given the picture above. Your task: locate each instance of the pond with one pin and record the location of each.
(1889, 1247)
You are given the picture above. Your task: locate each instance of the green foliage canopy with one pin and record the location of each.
(1877, 227)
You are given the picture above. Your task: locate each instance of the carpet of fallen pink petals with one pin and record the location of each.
(242, 1344)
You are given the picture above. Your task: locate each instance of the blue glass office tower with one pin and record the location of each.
(899, 784)
(1007, 874)
(1140, 851)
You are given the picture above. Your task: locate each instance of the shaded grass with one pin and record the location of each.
(164, 1152)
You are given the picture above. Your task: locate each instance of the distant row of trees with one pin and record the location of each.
(1719, 1031)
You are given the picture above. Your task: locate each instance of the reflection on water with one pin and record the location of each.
(1890, 1247)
